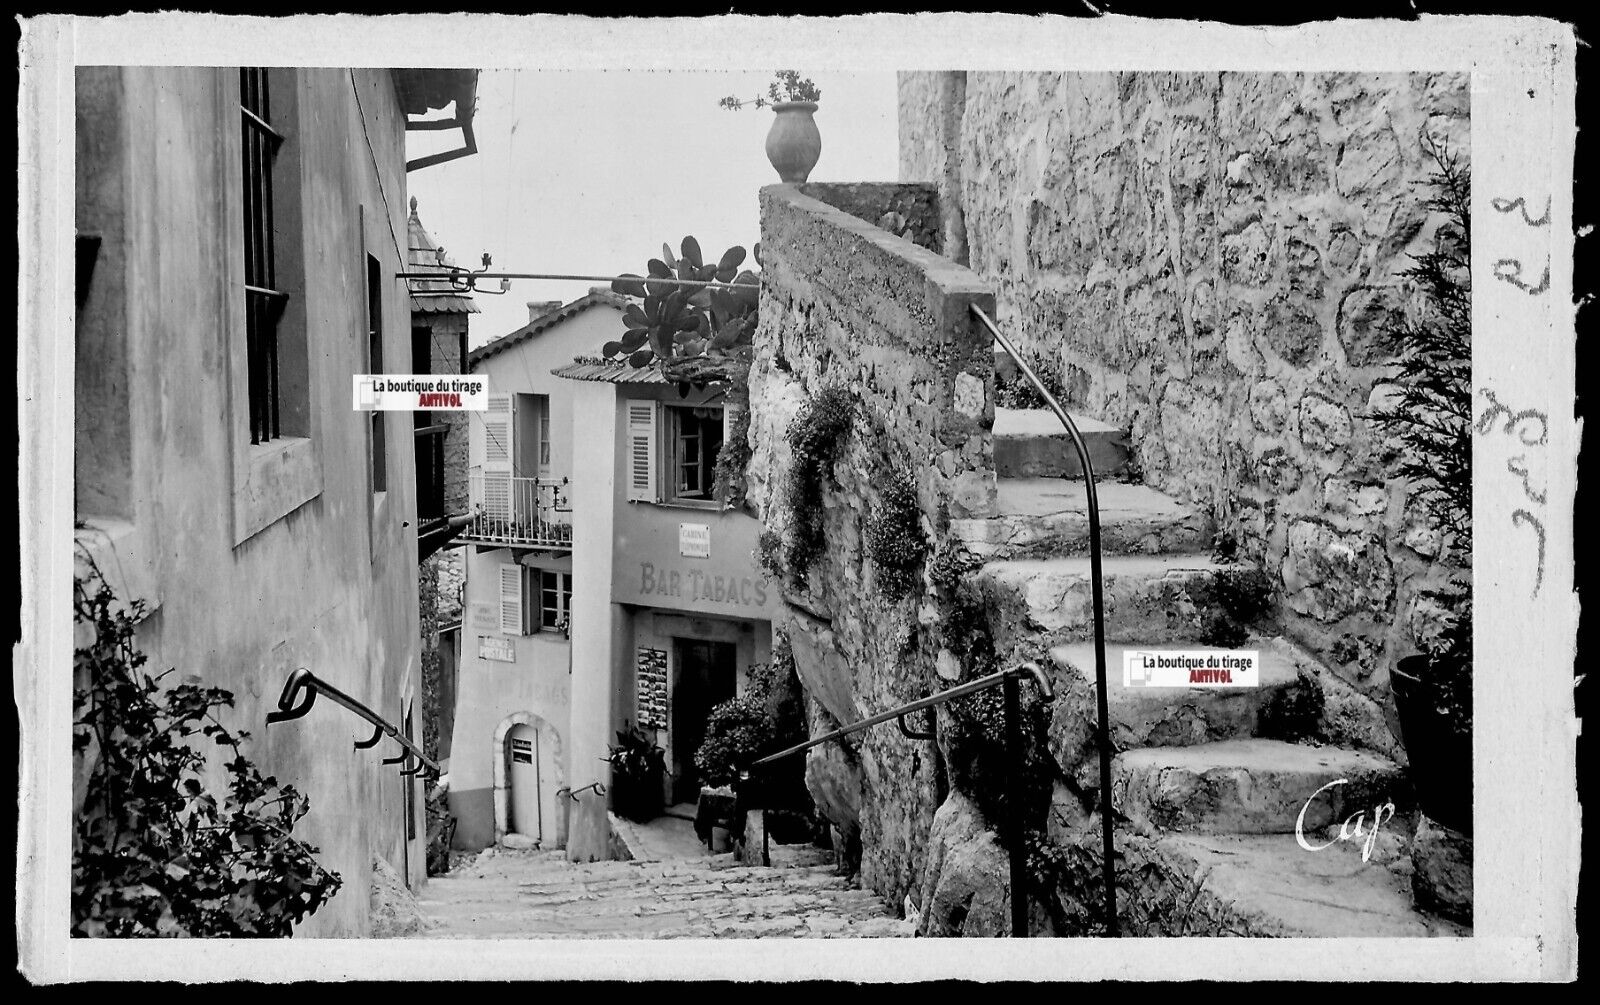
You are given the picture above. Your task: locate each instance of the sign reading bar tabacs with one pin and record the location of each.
(694, 540)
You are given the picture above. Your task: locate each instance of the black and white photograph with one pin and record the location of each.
(797, 494)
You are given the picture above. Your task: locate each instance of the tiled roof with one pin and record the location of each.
(422, 257)
(612, 372)
(595, 298)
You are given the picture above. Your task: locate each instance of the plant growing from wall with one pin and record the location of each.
(156, 850)
(895, 544)
(1017, 391)
(816, 436)
(1243, 596)
(698, 335)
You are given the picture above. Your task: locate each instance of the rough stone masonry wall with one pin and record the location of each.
(844, 303)
(1210, 258)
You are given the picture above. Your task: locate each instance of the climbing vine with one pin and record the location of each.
(816, 436)
(895, 544)
(156, 852)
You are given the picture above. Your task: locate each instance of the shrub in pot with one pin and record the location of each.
(1430, 418)
(638, 772)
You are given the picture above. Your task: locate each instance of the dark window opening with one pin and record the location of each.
(264, 302)
(380, 465)
(697, 439)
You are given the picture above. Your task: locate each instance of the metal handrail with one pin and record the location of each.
(303, 680)
(1102, 727)
(1012, 824)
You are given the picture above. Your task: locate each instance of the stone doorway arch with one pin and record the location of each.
(554, 779)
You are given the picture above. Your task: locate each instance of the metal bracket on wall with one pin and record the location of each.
(932, 731)
(300, 692)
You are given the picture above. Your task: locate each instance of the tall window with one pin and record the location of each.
(696, 437)
(264, 302)
(380, 460)
(555, 599)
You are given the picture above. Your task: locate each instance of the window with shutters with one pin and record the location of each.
(498, 429)
(642, 459)
(513, 612)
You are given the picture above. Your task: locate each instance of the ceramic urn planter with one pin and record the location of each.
(793, 143)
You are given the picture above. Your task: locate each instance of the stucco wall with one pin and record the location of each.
(331, 583)
(1209, 257)
(846, 304)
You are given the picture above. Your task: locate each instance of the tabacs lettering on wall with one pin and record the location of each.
(696, 585)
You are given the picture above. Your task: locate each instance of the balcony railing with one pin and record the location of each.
(520, 512)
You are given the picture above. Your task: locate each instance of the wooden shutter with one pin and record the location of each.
(511, 619)
(498, 426)
(642, 460)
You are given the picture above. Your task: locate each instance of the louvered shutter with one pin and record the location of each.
(511, 619)
(497, 454)
(641, 460)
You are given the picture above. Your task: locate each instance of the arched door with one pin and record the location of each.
(522, 754)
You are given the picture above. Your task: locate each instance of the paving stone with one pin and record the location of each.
(541, 895)
(1045, 517)
(1252, 786)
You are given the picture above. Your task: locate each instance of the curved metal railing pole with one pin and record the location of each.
(1102, 728)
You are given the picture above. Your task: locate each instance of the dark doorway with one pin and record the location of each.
(706, 677)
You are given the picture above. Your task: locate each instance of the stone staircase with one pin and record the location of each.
(1217, 778)
(540, 895)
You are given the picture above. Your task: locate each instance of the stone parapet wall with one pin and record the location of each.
(846, 304)
(1210, 259)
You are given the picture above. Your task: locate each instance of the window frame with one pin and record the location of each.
(673, 462)
(563, 596)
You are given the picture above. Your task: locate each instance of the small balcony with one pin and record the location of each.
(512, 512)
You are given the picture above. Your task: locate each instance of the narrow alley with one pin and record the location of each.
(537, 894)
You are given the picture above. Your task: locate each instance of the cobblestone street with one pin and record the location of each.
(538, 894)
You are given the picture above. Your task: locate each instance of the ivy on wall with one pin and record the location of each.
(895, 544)
(816, 436)
(156, 851)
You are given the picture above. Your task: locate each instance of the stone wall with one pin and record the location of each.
(1210, 258)
(846, 304)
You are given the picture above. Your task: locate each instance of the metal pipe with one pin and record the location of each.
(959, 691)
(464, 274)
(303, 680)
(1013, 815)
(1102, 729)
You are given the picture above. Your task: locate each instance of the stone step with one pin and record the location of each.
(1252, 786)
(1044, 517)
(1169, 716)
(1146, 597)
(1032, 443)
(1277, 888)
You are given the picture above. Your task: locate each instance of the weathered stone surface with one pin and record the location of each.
(1328, 574)
(1284, 890)
(823, 668)
(1251, 786)
(1163, 233)
(965, 887)
(1441, 878)
(540, 895)
(1145, 596)
(394, 910)
(1049, 516)
(1032, 443)
(1159, 716)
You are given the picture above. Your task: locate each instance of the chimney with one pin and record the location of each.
(539, 308)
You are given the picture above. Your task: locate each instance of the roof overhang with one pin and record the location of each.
(424, 90)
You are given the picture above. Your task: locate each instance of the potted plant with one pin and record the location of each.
(1431, 419)
(793, 143)
(638, 771)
